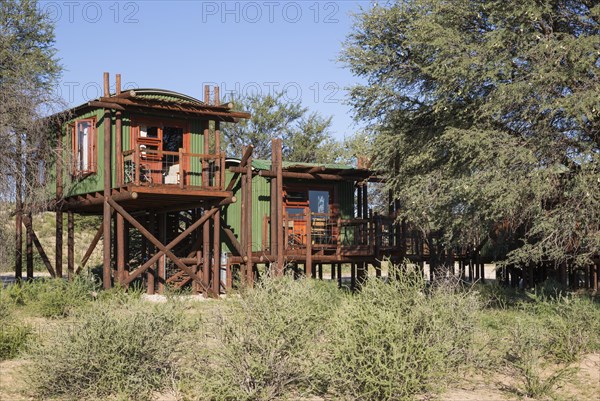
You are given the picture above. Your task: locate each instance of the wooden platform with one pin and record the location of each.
(143, 197)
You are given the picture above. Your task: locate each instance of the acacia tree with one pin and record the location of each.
(28, 74)
(487, 112)
(306, 136)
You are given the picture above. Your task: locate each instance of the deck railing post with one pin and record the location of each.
(136, 165)
(309, 267)
(181, 169)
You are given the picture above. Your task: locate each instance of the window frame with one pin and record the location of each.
(92, 145)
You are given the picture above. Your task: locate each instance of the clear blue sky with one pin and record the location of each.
(242, 46)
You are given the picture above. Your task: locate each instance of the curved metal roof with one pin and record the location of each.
(165, 92)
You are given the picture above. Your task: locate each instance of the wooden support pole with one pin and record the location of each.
(273, 212)
(119, 148)
(339, 274)
(206, 250)
(120, 254)
(91, 248)
(279, 201)
(248, 198)
(245, 156)
(160, 246)
(216, 276)
(70, 245)
(162, 261)
(151, 272)
(118, 84)
(42, 253)
(353, 276)
(106, 268)
(59, 196)
(29, 245)
(205, 150)
(309, 266)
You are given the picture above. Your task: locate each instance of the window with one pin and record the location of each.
(83, 134)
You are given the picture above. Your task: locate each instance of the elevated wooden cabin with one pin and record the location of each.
(177, 212)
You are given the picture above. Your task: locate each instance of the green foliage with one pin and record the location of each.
(487, 112)
(112, 350)
(51, 297)
(306, 136)
(13, 340)
(13, 335)
(399, 339)
(28, 72)
(264, 344)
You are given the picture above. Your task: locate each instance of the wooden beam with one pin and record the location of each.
(91, 248)
(70, 245)
(216, 276)
(273, 211)
(279, 200)
(106, 276)
(29, 246)
(234, 241)
(160, 246)
(248, 196)
(246, 155)
(41, 252)
(309, 176)
(171, 245)
(106, 105)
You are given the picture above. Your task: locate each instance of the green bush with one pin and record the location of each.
(113, 350)
(264, 343)
(395, 340)
(13, 340)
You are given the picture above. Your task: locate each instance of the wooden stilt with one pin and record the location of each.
(353, 276)
(162, 261)
(216, 276)
(106, 268)
(58, 260)
(309, 266)
(249, 222)
(120, 254)
(70, 245)
(273, 212)
(151, 272)
(206, 250)
(279, 199)
(339, 274)
(29, 245)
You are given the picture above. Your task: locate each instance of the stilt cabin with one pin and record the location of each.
(178, 213)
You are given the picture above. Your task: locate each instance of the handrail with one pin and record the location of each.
(146, 166)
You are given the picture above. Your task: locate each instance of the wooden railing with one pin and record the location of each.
(331, 232)
(142, 166)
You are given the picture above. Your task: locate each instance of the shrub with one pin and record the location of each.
(113, 350)
(395, 340)
(13, 340)
(263, 343)
(59, 298)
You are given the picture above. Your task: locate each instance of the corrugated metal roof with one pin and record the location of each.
(261, 164)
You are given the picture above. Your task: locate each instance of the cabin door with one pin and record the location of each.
(301, 206)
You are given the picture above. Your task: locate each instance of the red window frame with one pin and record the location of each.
(92, 156)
